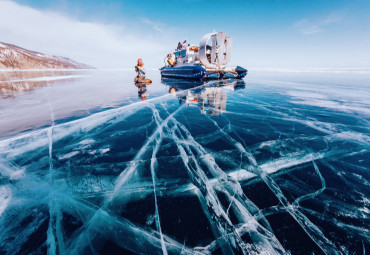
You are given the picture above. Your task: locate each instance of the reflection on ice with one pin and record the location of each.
(12, 82)
(142, 92)
(203, 169)
(209, 97)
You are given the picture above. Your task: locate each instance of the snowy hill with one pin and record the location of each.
(14, 57)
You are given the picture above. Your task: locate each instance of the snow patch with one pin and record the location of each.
(68, 155)
(5, 198)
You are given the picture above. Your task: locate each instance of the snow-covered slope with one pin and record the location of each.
(14, 57)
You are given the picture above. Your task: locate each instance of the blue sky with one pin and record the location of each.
(276, 33)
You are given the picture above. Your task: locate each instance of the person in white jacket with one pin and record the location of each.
(139, 68)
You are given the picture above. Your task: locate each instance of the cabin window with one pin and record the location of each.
(180, 54)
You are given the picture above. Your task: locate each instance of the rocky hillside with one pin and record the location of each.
(14, 57)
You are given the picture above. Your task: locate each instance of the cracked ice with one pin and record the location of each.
(265, 166)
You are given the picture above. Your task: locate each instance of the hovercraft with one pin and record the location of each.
(207, 60)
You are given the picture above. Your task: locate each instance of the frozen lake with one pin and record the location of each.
(276, 163)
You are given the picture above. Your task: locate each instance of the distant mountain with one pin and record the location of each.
(14, 57)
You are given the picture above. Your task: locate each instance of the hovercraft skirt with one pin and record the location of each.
(186, 72)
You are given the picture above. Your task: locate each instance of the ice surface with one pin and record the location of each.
(45, 78)
(275, 164)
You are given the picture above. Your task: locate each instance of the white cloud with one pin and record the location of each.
(154, 25)
(307, 26)
(100, 45)
(332, 18)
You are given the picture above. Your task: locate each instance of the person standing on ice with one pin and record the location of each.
(139, 68)
(179, 46)
(140, 77)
